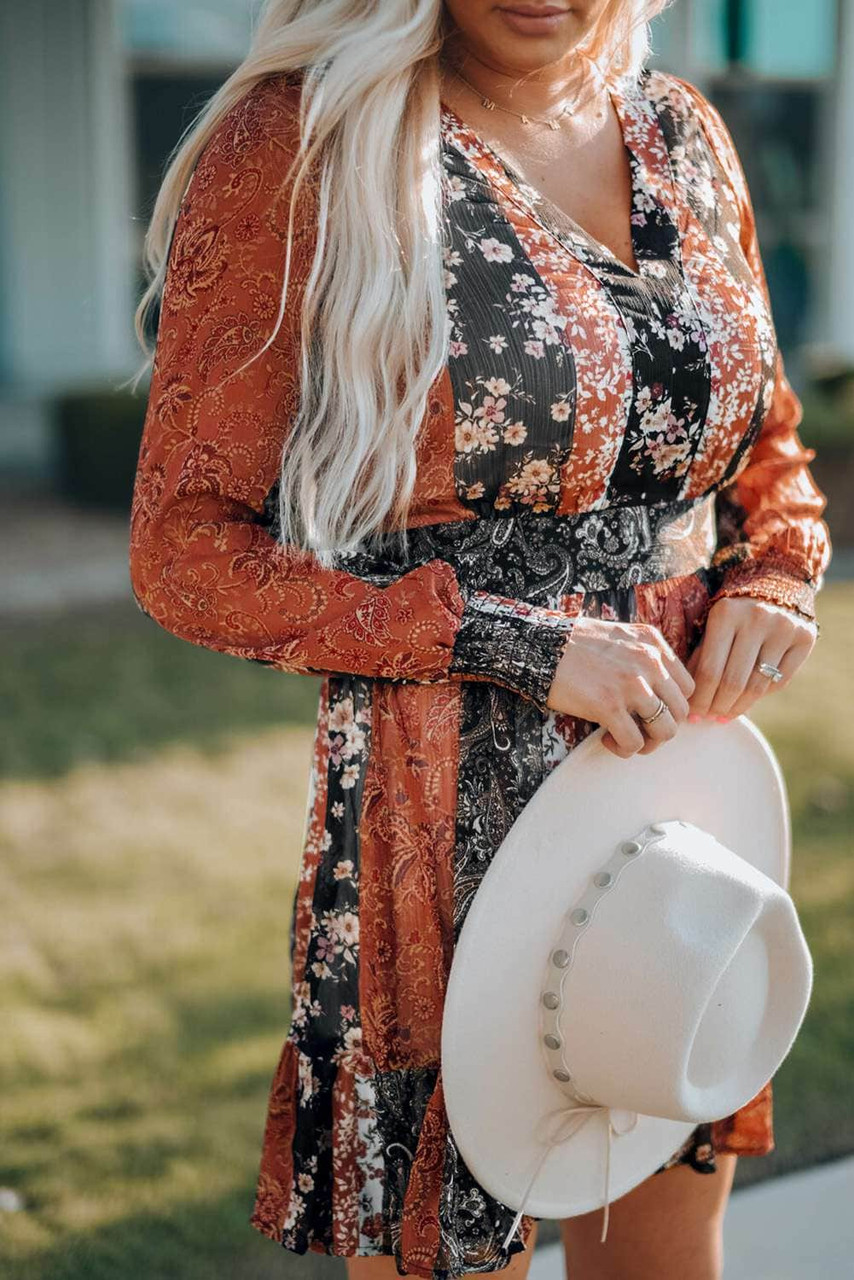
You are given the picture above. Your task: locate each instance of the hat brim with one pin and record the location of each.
(723, 778)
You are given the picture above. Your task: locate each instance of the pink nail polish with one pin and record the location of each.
(695, 719)
(722, 719)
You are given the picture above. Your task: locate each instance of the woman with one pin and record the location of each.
(472, 271)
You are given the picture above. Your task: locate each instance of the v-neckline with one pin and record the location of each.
(650, 177)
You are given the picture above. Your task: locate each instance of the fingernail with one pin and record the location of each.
(722, 719)
(694, 718)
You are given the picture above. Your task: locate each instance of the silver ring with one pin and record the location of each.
(662, 706)
(768, 669)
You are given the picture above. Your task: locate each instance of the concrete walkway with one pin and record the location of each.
(799, 1227)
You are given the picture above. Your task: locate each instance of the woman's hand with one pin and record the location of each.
(610, 672)
(739, 633)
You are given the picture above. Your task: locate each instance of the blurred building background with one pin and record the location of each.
(95, 93)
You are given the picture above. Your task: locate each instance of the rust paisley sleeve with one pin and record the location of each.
(204, 563)
(773, 543)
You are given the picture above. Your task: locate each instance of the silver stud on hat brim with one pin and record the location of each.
(561, 957)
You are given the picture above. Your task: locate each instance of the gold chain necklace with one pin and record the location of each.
(552, 121)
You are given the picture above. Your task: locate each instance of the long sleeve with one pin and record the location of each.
(204, 563)
(773, 543)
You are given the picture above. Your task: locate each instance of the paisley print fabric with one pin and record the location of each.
(608, 440)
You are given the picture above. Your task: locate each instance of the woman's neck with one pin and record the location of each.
(539, 94)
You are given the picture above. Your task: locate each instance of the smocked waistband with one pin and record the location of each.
(540, 556)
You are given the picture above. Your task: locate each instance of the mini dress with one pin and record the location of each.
(602, 441)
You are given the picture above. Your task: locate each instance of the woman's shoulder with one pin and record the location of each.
(675, 93)
(690, 109)
(264, 119)
(245, 170)
(235, 212)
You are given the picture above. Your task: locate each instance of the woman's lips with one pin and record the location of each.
(533, 20)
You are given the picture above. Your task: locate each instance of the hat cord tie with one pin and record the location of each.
(570, 1119)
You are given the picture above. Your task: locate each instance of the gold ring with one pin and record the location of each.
(662, 706)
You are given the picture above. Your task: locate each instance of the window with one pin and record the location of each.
(781, 39)
(192, 30)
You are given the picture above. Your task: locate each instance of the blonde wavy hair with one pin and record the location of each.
(374, 327)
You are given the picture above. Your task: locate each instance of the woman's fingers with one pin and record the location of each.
(669, 665)
(741, 633)
(628, 734)
(793, 658)
(665, 725)
(756, 685)
(666, 678)
(673, 695)
(679, 674)
(785, 659)
(660, 730)
(736, 675)
(709, 659)
(623, 736)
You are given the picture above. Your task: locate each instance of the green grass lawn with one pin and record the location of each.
(151, 818)
(111, 685)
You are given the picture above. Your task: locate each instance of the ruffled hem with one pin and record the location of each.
(359, 1163)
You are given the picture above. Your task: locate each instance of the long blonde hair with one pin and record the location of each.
(374, 324)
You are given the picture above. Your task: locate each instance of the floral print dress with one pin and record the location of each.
(605, 441)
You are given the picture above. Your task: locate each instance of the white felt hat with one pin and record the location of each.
(630, 966)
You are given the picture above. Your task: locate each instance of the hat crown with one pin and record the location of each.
(656, 994)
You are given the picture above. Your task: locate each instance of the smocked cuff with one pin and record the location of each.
(515, 644)
(776, 579)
